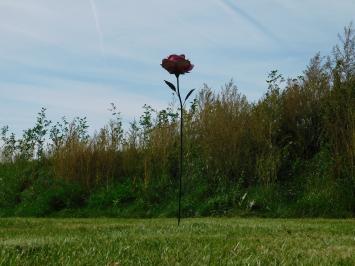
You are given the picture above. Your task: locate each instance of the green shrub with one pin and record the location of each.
(114, 196)
(14, 178)
(47, 195)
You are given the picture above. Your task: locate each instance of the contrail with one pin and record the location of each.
(250, 19)
(98, 26)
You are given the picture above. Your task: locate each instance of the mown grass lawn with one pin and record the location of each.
(202, 241)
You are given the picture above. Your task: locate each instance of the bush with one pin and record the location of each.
(47, 195)
(114, 196)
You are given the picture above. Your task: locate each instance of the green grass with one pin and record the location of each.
(205, 241)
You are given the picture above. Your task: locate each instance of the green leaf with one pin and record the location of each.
(171, 85)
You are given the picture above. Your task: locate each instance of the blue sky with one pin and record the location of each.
(76, 57)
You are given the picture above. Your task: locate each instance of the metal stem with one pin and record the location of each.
(181, 148)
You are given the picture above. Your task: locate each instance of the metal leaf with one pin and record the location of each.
(171, 85)
(188, 95)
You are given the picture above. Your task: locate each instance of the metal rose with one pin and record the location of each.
(177, 64)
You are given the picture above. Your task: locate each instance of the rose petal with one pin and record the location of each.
(175, 58)
(169, 66)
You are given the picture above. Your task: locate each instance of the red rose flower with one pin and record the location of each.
(177, 64)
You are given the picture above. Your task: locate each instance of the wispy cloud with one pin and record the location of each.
(98, 26)
(232, 6)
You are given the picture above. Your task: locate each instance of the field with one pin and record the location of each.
(199, 241)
